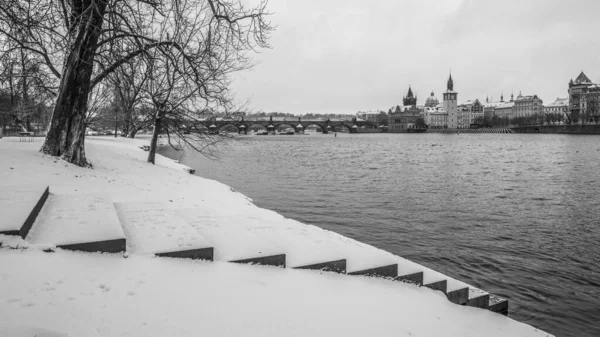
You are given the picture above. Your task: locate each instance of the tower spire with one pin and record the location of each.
(450, 85)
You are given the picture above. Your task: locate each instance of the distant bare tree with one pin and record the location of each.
(24, 87)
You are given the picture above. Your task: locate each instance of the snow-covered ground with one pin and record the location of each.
(90, 294)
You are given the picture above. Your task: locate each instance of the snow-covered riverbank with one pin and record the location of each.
(85, 294)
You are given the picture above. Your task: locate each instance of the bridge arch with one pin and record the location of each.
(228, 126)
(254, 125)
(288, 124)
(342, 128)
(321, 126)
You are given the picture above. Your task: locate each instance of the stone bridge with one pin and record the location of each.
(271, 124)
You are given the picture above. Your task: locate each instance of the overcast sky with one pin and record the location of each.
(342, 56)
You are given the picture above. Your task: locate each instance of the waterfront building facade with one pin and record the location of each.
(450, 104)
(560, 105)
(489, 110)
(527, 106)
(584, 99)
(378, 118)
(462, 116)
(476, 114)
(505, 110)
(433, 113)
(403, 118)
(470, 114)
(435, 117)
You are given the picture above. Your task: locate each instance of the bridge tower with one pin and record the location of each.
(243, 127)
(299, 128)
(270, 127)
(327, 127)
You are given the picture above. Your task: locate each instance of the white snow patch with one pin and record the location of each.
(155, 228)
(231, 241)
(18, 201)
(20, 331)
(83, 294)
(76, 218)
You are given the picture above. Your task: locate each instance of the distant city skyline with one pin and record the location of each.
(345, 56)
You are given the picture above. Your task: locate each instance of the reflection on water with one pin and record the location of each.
(517, 215)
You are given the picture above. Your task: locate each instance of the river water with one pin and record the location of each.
(517, 215)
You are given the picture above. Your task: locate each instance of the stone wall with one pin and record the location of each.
(365, 130)
(587, 129)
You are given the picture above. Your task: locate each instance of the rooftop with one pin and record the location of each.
(582, 79)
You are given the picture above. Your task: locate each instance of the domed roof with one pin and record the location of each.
(432, 101)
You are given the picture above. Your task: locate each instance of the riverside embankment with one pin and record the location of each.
(87, 294)
(586, 129)
(514, 214)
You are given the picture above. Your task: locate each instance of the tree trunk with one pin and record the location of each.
(154, 141)
(66, 134)
(132, 132)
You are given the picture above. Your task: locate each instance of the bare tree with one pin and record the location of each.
(128, 82)
(81, 35)
(23, 87)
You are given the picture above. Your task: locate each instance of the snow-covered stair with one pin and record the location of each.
(19, 206)
(498, 304)
(301, 249)
(86, 222)
(307, 245)
(155, 228)
(310, 247)
(233, 243)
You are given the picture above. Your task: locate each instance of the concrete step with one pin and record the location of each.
(338, 266)
(233, 243)
(155, 228)
(414, 278)
(390, 271)
(86, 222)
(498, 304)
(302, 250)
(19, 206)
(478, 298)
(456, 291)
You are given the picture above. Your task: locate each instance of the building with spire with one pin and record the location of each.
(450, 104)
(584, 99)
(403, 118)
(434, 114)
(409, 99)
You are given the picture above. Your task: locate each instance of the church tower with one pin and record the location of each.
(410, 99)
(450, 104)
